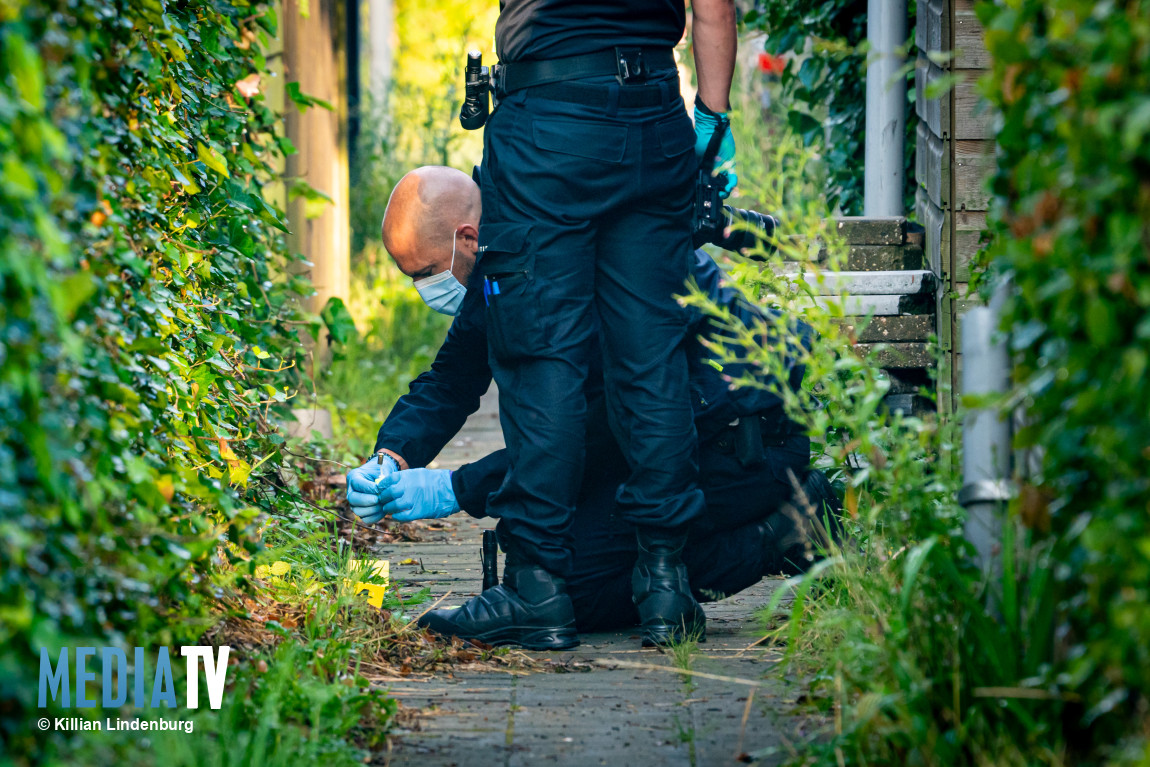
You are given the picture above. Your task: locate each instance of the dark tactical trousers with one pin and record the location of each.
(586, 213)
(725, 552)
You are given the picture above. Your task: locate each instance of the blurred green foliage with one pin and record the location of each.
(824, 87)
(413, 119)
(396, 340)
(148, 329)
(1071, 224)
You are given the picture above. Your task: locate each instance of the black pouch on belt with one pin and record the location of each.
(749, 441)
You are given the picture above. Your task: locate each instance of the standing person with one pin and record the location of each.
(588, 173)
(750, 454)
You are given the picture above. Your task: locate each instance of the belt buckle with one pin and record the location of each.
(629, 65)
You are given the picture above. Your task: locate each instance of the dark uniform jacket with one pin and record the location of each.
(440, 400)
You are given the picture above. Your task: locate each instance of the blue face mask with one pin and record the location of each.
(442, 292)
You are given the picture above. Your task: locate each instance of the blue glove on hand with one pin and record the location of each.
(707, 124)
(363, 488)
(418, 494)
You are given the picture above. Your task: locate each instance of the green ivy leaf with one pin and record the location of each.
(210, 157)
(72, 292)
(338, 321)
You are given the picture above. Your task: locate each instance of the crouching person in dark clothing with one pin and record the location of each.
(751, 456)
(753, 528)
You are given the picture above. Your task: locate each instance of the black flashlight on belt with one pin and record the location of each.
(476, 88)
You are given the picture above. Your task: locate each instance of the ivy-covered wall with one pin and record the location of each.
(1071, 223)
(147, 330)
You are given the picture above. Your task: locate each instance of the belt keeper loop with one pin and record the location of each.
(665, 92)
(613, 100)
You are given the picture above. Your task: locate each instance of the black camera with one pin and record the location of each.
(712, 218)
(748, 228)
(477, 93)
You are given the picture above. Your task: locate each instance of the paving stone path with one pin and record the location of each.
(617, 704)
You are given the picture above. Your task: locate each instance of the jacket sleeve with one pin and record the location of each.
(441, 399)
(717, 402)
(473, 482)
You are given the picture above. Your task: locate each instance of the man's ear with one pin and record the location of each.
(468, 234)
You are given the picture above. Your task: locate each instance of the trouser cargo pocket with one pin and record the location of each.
(516, 323)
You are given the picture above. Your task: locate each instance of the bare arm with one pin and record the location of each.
(715, 42)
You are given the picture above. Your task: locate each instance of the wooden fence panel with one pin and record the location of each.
(969, 39)
(969, 226)
(934, 112)
(973, 118)
(932, 165)
(973, 165)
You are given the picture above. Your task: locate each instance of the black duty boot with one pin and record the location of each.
(796, 535)
(530, 609)
(667, 610)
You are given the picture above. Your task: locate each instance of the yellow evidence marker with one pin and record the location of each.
(381, 570)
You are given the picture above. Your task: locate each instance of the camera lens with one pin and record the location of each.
(747, 228)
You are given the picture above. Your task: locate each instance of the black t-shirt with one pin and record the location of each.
(552, 29)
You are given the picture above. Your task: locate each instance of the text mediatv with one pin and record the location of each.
(157, 691)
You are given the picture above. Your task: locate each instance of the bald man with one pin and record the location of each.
(748, 471)
(420, 225)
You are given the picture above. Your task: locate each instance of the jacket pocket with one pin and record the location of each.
(786, 455)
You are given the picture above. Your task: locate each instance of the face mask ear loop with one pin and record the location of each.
(451, 268)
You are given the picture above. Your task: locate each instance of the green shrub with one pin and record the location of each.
(147, 322)
(1071, 219)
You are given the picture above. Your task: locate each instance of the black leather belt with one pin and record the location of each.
(599, 96)
(630, 66)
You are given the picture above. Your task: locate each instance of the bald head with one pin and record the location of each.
(430, 208)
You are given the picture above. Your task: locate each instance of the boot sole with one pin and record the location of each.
(531, 639)
(665, 637)
(665, 634)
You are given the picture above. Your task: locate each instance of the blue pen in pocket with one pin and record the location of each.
(490, 288)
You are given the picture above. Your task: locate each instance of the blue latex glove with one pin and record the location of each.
(363, 486)
(418, 494)
(707, 123)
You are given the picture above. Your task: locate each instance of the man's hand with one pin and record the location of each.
(707, 124)
(363, 488)
(418, 494)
